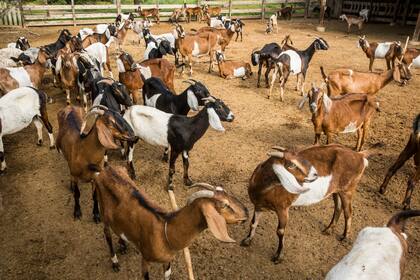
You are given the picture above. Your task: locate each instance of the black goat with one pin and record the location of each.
(156, 48)
(63, 38)
(295, 62)
(111, 94)
(178, 132)
(22, 43)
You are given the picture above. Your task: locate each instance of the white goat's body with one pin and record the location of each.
(376, 254)
(103, 29)
(239, 72)
(150, 124)
(99, 52)
(216, 23)
(166, 36)
(295, 62)
(416, 62)
(6, 54)
(84, 32)
(382, 49)
(149, 48)
(21, 76)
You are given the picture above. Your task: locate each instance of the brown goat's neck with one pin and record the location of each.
(91, 143)
(386, 77)
(184, 226)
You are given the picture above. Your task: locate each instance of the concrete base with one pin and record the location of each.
(414, 43)
(320, 28)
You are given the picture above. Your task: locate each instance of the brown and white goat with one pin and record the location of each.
(344, 81)
(232, 69)
(411, 58)
(122, 33)
(194, 11)
(83, 141)
(344, 114)
(387, 50)
(159, 234)
(68, 70)
(353, 20)
(190, 46)
(224, 35)
(412, 149)
(377, 253)
(27, 76)
(211, 11)
(94, 38)
(145, 13)
(305, 177)
(130, 73)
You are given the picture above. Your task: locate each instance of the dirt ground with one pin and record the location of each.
(40, 240)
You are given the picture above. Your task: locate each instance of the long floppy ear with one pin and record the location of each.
(105, 136)
(162, 49)
(216, 223)
(192, 100)
(88, 123)
(214, 120)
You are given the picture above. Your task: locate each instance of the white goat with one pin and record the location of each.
(18, 109)
(6, 54)
(100, 52)
(84, 32)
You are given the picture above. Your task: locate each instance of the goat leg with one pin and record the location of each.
(408, 151)
(130, 152)
(2, 160)
(346, 204)
(252, 228)
(168, 270)
(95, 211)
(165, 154)
(410, 188)
(273, 79)
(267, 72)
(114, 259)
(371, 63)
(145, 269)
(122, 246)
(336, 215)
(77, 213)
(38, 125)
(172, 160)
(259, 74)
(47, 124)
(283, 217)
(186, 163)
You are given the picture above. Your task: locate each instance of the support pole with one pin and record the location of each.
(262, 10)
(230, 8)
(73, 13)
(396, 6)
(406, 8)
(187, 255)
(22, 17)
(417, 29)
(307, 8)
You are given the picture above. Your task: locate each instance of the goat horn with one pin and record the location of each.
(188, 82)
(276, 154)
(278, 148)
(193, 80)
(99, 107)
(204, 185)
(209, 99)
(302, 102)
(200, 194)
(108, 81)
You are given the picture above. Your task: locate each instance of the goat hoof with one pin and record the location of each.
(246, 242)
(96, 218)
(77, 215)
(187, 182)
(165, 158)
(326, 231)
(2, 172)
(406, 206)
(342, 238)
(170, 187)
(382, 190)
(123, 249)
(276, 259)
(39, 143)
(116, 267)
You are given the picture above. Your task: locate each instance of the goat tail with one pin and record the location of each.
(416, 126)
(372, 150)
(397, 221)
(324, 76)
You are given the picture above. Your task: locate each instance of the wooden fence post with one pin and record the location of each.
(417, 29)
(118, 3)
(22, 16)
(406, 9)
(262, 10)
(230, 8)
(306, 9)
(73, 12)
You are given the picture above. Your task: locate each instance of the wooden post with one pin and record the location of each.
(417, 29)
(14, 15)
(22, 16)
(118, 4)
(262, 10)
(321, 12)
(73, 13)
(307, 8)
(406, 9)
(230, 8)
(396, 6)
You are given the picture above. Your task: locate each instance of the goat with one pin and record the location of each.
(272, 23)
(412, 149)
(95, 38)
(8, 57)
(178, 132)
(304, 177)
(344, 114)
(130, 73)
(83, 141)
(411, 57)
(122, 33)
(387, 50)
(285, 12)
(295, 62)
(110, 93)
(123, 17)
(18, 109)
(377, 253)
(177, 13)
(353, 20)
(264, 57)
(155, 49)
(100, 52)
(156, 233)
(224, 35)
(195, 45)
(138, 27)
(29, 75)
(22, 43)
(194, 11)
(215, 22)
(211, 11)
(344, 81)
(145, 13)
(107, 30)
(63, 38)
(238, 28)
(232, 69)
(26, 57)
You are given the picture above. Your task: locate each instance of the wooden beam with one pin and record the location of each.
(396, 6)
(417, 29)
(406, 8)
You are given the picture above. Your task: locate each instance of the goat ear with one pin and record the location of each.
(105, 136)
(88, 124)
(216, 223)
(214, 120)
(162, 49)
(192, 100)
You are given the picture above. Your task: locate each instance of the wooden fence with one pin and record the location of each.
(10, 14)
(44, 15)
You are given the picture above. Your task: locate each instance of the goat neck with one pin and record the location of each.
(91, 143)
(309, 52)
(179, 234)
(386, 77)
(182, 103)
(199, 124)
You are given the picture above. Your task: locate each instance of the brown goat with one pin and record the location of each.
(225, 35)
(412, 149)
(68, 70)
(130, 73)
(83, 141)
(94, 38)
(211, 11)
(345, 114)
(196, 45)
(344, 81)
(301, 178)
(122, 33)
(353, 20)
(232, 69)
(28, 75)
(411, 57)
(386, 50)
(145, 13)
(156, 233)
(196, 11)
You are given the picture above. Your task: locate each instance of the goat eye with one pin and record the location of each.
(292, 166)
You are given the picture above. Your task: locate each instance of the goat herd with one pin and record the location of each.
(110, 118)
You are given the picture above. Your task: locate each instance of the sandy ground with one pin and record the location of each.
(40, 240)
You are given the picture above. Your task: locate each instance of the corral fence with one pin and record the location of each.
(14, 13)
